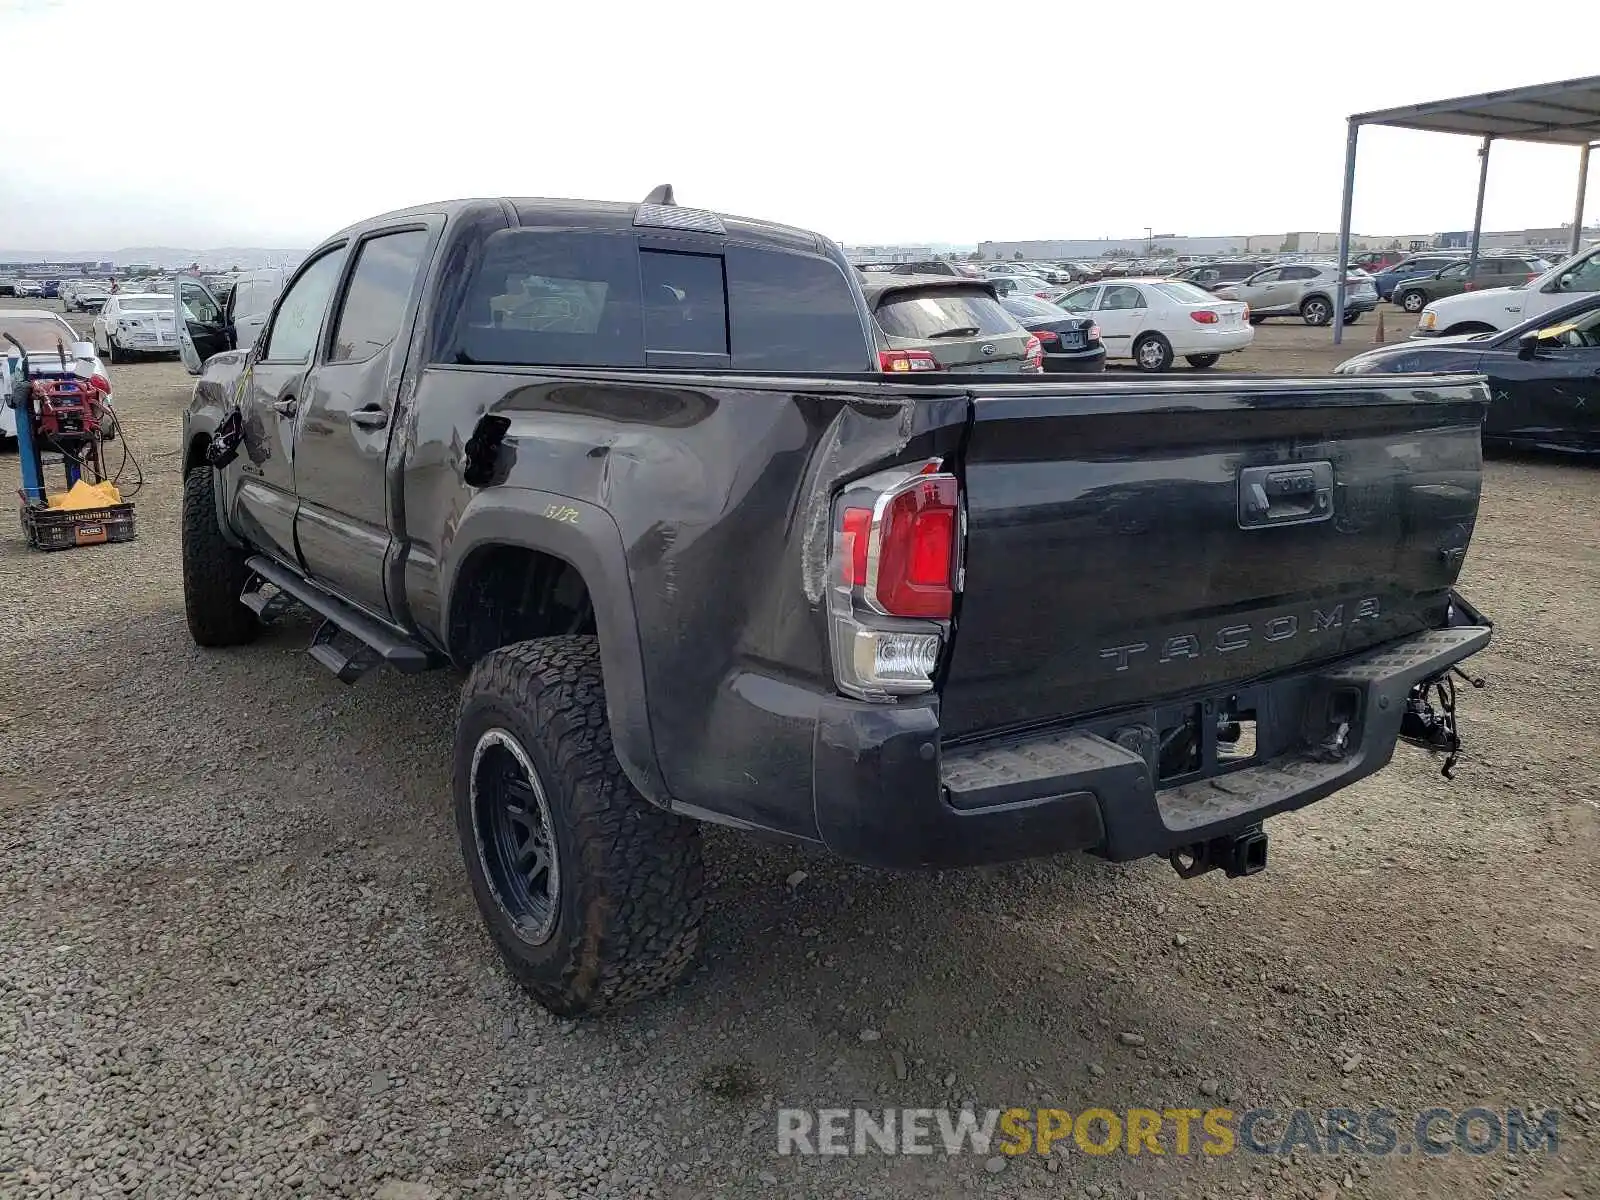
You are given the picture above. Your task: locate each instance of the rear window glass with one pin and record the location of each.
(145, 303)
(793, 313)
(553, 298)
(1183, 293)
(37, 334)
(685, 302)
(939, 312)
(1030, 309)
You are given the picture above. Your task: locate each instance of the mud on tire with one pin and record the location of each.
(628, 894)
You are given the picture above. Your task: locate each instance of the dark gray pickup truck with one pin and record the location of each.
(634, 468)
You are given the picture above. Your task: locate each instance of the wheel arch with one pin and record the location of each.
(1468, 327)
(511, 538)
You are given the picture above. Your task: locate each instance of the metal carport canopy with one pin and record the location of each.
(1561, 114)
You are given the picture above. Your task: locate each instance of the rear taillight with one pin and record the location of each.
(1041, 295)
(896, 569)
(906, 360)
(1203, 315)
(1531, 278)
(1047, 335)
(1034, 352)
(100, 384)
(1245, 315)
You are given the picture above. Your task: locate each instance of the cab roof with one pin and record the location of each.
(543, 212)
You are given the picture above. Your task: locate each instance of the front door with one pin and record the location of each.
(342, 522)
(1553, 398)
(271, 392)
(202, 329)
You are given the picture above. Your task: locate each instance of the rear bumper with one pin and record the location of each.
(1075, 361)
(885, 795)
(1360, 304)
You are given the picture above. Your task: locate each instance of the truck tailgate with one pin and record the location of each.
(1127, 544)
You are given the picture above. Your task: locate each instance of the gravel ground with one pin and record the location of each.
(238, 956)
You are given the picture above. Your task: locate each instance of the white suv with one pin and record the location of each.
(1500, 308)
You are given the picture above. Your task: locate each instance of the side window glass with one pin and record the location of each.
(685, 302)
(299, 317)
(792, 312)
(198, 305)
(1081, 300)
(1585, 277)
(1121, 298)
(375, 302)
(1267, 277)
(553, 297)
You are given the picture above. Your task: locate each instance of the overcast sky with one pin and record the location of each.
(208, 123)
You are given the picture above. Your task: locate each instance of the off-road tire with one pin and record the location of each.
(213, 571)
(630, 896)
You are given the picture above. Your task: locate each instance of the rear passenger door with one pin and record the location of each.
(1121, 316)
(341, 445)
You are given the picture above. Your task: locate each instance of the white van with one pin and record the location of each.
(211, 324)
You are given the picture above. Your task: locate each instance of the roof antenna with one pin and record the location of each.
(661, 195)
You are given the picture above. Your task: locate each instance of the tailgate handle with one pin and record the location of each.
(1285, 495)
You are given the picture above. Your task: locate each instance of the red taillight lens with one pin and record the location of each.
(1035, 353)
(1047, 335)
(1041, 295)
(101, 384)
(897, 361)
(915, 544)
(1094, 333)
(1531, 278)
(857, 532)
(1203, 315)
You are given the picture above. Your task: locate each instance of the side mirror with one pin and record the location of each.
(1528, 345)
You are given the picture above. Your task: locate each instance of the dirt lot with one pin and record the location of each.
(238, 956)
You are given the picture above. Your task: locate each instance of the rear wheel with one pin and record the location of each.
(1351, 318)
(213, 570)
(1201, 361)
(1257, 320)
(1316, 310)
(1413, 301)
(592, 894)
(1152, 352)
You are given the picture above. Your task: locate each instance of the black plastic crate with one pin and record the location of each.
(62, 529)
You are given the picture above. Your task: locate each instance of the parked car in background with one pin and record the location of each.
(937, 266)
(936, 323)
(1494, 309)
(44, 335)
(28, 289)
(1023, 285)
(1155, 321)
(1071, 343)
(231, 319)
(1544, 375)
(137, 323)
(83, 295)
(1413, 266)
(1213, 275)
(1306, 290)
(1374, 261)
(1500, 271)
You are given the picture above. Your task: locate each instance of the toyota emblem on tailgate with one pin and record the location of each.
(987, 350)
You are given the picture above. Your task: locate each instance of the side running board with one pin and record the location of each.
(348, 642)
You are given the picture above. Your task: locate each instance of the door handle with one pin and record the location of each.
(371, 417)
(286, 407)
